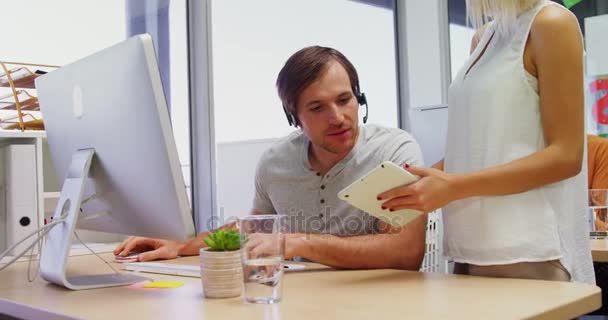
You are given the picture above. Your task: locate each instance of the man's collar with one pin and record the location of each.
(340, 164)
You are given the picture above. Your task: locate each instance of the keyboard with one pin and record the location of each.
(184, 270)
(164, 268)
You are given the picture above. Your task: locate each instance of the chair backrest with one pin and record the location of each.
(434, 261)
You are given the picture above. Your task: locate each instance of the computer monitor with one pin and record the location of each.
(110, 136)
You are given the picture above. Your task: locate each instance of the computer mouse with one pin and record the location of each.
(131, 257)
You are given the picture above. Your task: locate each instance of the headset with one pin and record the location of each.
(361, 100)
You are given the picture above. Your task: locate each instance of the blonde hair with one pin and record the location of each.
(504, 12)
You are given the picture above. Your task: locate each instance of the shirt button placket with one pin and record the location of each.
(322, 196)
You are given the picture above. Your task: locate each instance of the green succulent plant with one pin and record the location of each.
(223, 240)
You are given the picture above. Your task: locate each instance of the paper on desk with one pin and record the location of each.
(164, 284)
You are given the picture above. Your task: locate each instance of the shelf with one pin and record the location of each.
(22, 134)
(23, 83)
(19, 75)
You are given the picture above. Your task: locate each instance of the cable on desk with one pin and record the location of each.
(95, 253)
(42, 232)
(45, 229)
(29, 260)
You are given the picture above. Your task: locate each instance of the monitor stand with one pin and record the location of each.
(56, 249)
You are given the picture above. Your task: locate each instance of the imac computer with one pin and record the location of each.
(110, 137)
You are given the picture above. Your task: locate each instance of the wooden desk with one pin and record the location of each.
(320, 294)
(599, 250)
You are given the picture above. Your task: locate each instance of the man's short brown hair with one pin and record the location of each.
(304, 67)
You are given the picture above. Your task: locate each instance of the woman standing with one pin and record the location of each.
(513, 181)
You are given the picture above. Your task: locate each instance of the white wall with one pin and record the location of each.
(423, 46)
(235, 176)
(429, 128)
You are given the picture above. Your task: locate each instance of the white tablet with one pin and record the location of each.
(363, 192)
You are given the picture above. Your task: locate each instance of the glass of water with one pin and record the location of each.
(262, 247)
(598, 209)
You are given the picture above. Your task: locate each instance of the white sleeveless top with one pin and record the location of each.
(494, 118)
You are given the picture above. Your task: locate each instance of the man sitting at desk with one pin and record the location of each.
(301, 174)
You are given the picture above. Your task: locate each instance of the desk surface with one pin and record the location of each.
(599, 250)
(318, 294)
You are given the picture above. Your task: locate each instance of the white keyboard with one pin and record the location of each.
(184, 270)
(165, 268)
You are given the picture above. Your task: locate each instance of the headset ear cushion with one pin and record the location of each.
(291, 119)
(361, 99)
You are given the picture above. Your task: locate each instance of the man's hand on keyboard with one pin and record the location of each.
(151, 249)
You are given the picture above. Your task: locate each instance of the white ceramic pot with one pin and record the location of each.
(221, 273)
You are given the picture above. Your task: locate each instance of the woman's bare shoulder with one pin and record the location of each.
(552, 19)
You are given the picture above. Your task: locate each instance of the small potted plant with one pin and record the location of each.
(221, 269)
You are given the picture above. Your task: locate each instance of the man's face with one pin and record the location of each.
(328, 111)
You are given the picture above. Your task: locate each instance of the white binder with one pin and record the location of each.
(2, 203)
(20, 192)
